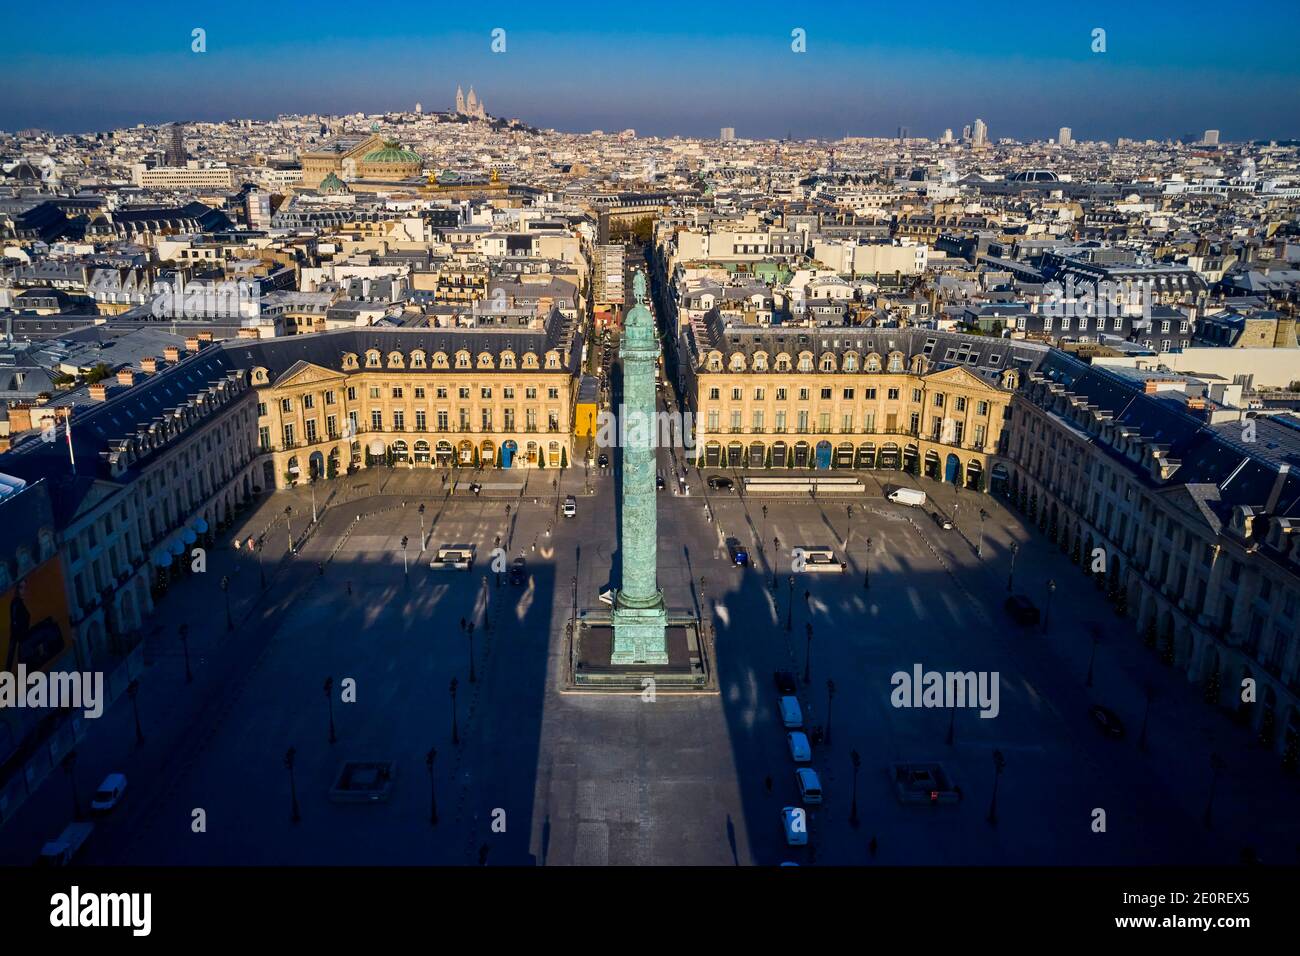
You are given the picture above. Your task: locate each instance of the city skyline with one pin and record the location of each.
(688, 73)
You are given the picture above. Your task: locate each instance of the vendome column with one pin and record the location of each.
(640, 616)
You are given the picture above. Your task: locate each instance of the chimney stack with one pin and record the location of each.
(149, 365)
(192, 344)
(172, 354)
(126, 377)
(98, 392)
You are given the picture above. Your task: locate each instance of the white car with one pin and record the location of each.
(791, 712)
(795, 820)
(800, 749)
(570, 508)
(810, 785)
(109, 793)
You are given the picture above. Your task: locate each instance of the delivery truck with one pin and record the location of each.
(62, 851)
(907, 496)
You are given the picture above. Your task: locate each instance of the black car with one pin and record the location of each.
(1107, 721)
(721, 483)
(786, 684)
(1022, 610)
(659, 481)
(739, 556)
(942, 521)
(518, 571)
(603, 460)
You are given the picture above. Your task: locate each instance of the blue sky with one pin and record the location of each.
(671, 67)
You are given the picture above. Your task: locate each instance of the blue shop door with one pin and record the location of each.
(952, 470)
(507, 454)
(823, 455)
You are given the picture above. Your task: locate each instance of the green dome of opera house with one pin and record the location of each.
(390, 162)
(332, 185)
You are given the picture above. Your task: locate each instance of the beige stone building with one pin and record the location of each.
(496, 396)
(806, 397)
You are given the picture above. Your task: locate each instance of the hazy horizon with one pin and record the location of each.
(688, 71)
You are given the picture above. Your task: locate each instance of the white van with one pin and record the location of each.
(810, 785)
(791, 712)
(907, 496)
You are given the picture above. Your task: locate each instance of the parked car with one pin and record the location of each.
(1022, 610)
(721, 483)
(800, 749)
(603, 460)
(659, 481)
(795, 821)
(739, 556)
(518, 571)
(570, 508)
(943, 521)
(786, 683)
(810, 785)
(109, 793)
(1107, 721)
(791, 712)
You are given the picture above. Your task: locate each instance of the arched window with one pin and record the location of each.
(895, 361)
(462, 359)
(395, 360)
(372, 358)
(828, 362)
(805, 362)
(850, 361)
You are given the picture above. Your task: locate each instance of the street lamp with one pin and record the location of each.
(184, 632)
(853, 811)
(288, 524)
(132, 691)
(979, 547)
(406, 566)
(1011, 575)
(1149, 691)
(311, 483)
(999, 764)
(830, 698)
(1047, 612)
(289, 756)
(487, 600)
(1217, 766)
(1092, 656)
(455, 731)
(807, 659)
(429, 758)
(423, 544)
(225, 589)
(789, 614)
(329, 700)
(469, 629)
(69, 764)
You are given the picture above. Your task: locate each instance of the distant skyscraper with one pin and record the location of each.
(965, 132)
(1211, 137)
(947, 136)
(176, 155)
(904, 132)
(1066, 136)
(460, 100)
(727, 134)
(418, 109)
(980, 135)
